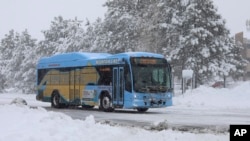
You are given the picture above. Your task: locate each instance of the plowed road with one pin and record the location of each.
(189, 119)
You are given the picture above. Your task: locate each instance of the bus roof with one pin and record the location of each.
(75, 59)
(73, 56)
(139, 54)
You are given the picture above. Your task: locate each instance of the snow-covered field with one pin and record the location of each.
(22, 123)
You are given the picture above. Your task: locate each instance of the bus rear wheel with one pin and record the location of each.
(55, 100)
(106, 103)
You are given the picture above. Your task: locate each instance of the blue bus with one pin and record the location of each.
(130, 80)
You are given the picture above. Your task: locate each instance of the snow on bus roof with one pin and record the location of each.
(74, 56)
(140, 54)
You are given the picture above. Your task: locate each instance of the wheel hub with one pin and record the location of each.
(106, 102)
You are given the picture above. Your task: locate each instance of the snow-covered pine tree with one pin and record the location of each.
(16, 64)
(120, 26)
(27, 73)
(157, 33)
(63, 36)
(94, 38)
(204, 42)
(8, 45)
(142, 25)
(235, 63)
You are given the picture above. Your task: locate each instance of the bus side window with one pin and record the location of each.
(105, 76)
(106, 81)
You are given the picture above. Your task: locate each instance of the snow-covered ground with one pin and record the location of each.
(24, 123)
(236, 97)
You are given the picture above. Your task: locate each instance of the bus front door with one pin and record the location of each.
(118, 86)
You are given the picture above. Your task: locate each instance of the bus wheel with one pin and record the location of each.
(106, 103)
(55, 100)
(142, 110)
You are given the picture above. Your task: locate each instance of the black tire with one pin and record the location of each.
(142, 110)
(55, 100)
(106, 103)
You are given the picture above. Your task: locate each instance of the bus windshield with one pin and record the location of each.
(151, 75)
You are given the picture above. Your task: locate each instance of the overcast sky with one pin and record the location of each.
(36, 15)
(235, 12)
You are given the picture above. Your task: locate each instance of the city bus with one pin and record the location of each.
(130, 80)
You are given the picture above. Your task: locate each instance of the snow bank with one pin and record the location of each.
(27, 124)
(227, 98)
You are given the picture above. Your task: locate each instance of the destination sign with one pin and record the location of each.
(107, 61)
(148, 61)
(145, 61)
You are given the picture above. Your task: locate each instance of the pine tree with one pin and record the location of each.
(160, 32)
(27, 72)
(8, 45)
(204, 42)
(94, 38)
(63, 36)
(120, 26)
(141, 25)
(19, 62)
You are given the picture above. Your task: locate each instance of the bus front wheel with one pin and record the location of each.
(106, 103)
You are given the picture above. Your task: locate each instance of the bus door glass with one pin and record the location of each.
(74, 86)
(118, 86)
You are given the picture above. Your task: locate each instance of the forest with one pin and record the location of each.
(189, 33)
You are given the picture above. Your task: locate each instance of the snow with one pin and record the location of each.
(28, 123)
(212, 98)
